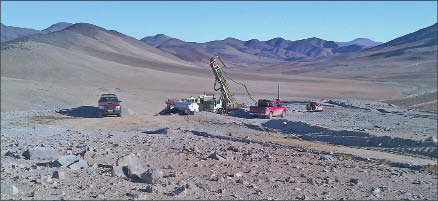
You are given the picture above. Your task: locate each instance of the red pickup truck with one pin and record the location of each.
(268, 109)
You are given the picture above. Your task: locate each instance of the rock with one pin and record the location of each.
(290, 180)
(212, 176)
(152, 189)
(135, 171)
(117, 171)
(66, 160)
(9, 153)
(152, 176)
(40, 153)
(355, 181)
(181, 183)
(101, 196)
(79, 165)
(216, 156)
(375, 191)
(432, 139)
(58, 174)
(130, 159)
(326, 158)
(8, 189)
(88, 156)
(238, 174)
(45, 180)
(179, 192)
(233, 148)
(311, 181)
(133, 194)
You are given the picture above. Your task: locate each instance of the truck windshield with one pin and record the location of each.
(264, 103)
(108, 99)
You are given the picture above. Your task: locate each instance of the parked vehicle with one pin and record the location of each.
(187, 106)
(314, 106)
(210, 104)
(268, 109)
(170, 105)
(109, 104)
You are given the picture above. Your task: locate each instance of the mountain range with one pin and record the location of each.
(256, 52)
(9, 33)
(237, 52)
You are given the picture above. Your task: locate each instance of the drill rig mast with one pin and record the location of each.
(229, 103)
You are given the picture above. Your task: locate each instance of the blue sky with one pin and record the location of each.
(206, 21)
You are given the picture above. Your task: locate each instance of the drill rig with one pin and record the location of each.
(229, 103)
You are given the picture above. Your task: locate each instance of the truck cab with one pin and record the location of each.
(109, 104)
(268, 108)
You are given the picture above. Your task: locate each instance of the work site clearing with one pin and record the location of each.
(344, 152)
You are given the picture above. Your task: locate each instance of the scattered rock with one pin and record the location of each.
(40, 153)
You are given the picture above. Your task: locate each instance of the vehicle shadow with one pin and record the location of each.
(241, 113)
(82, 111)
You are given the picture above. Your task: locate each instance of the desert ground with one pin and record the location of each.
(375, 139)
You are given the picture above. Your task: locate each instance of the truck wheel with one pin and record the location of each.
(270, 115)
(120, 114)
(99, 115)
(220, 111)
(283, 114)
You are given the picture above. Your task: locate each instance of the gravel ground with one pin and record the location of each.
(209, 156)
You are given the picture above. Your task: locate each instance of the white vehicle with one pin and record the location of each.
(210, 104)
(186, 107)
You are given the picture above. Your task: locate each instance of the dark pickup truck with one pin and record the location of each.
(109, 104)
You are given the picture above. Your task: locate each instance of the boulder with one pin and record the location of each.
(135, 171)
(79, 165)
(66, 160)
(8, 189)
(117, 171)
(130, 159)
(58, 174)
(40, 153)
(152, 176)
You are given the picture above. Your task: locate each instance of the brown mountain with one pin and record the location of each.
(251, 52)
(410, 60)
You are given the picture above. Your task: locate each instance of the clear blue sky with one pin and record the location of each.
(206, 21)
